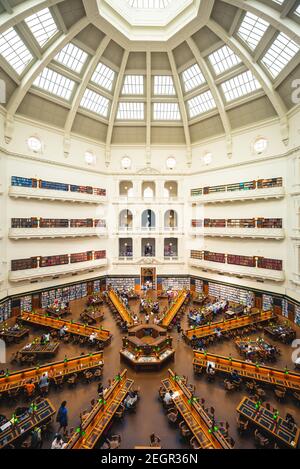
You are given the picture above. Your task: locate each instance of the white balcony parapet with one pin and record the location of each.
(295, 233)
(1, 188)
(1, 233)
(138, 200)
(238, 270)
(260, 233)
(48, 194)
(296, 278)
(56, 271)
(153, 230)
(238, 196)
(39, 233)
(148, 260)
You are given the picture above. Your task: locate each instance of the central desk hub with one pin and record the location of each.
(147, 347)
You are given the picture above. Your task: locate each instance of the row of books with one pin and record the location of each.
(5, 311)
(65, 294)
(57, 186)
(239, 186)
(35, 222)
(236, 295)
(26, 304)
(175, 283)
(237, 223)
(62, 259)
(118, 283)
(249, 261)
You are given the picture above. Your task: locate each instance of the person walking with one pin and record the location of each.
(62, 417)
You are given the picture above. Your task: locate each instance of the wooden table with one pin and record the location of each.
(16, 335)
(93, 316)
(57, 313)
(122, 310)
(198, 421)
(262, 373)
(173, 310)
(48, 349)
(101, 415)
(281, 332)
(228, 325)
(72, 327)
(264, 419)
(259, 348)
(18, 379)
(41, 415)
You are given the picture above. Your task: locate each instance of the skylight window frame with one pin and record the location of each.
(161, 115)
(147, 4)
(47, 78)
(283, 52)
(128, 88)
(296, 11)
(19, 70)
(245, 84)
(132, 111)
(193, 78)
(50, 38)
(250, 39)
(204, 102)
(227, 60)
(99, 82)
(96, 102)
(163, 86)
(74, 59)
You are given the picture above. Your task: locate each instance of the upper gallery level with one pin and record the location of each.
(261, 228)
(239, 191)
(31, 188)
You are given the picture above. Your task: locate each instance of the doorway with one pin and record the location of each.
(148, 277)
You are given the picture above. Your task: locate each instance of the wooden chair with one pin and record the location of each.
(72, 380)
(261, 440)
(194, 443)
(184, 430)
(260, 393)
(120, 412)
(242, 424)
(229, 386)
(172, 416)
(280, 393)
(113, 442)
(58, 381)
(98, 373)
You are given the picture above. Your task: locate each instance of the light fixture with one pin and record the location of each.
(207, 158)
(34, 144)
(89, 157)
(171, 162)
(259, 145)
(126, 162)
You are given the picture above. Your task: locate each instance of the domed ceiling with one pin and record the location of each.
(149, 71)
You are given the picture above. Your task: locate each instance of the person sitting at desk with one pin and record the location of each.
(130, 400)
(92, 337)
(58, 442)
(234, 377)
(135, 319)
(62, 331)
(147, 318)
(47, 337)
(218, 332)
(168, 397)
(44, 384)
(210, 371)
(29, 388)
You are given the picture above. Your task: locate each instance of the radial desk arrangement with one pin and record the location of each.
(72, 327)
(199, 422)
(122, 310)
(62, 368)
(174, 309)
(288, 379)
(202, 332)
(94, 423)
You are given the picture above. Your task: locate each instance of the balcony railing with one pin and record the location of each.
(242, 228)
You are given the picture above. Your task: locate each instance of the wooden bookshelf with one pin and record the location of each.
(62, 259)
(49, 261)
(247, 261)
(196, 254)
(239, 186)
(57, 186)
(271, 264)
(24, 264)
(214, 257)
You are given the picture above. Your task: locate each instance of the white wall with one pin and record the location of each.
(277, 160)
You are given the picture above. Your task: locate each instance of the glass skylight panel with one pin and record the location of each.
(13, 49)
(149, 3)
(55, 83)
(133, 84)
(202, 103)
(223, 59)
(240, 85)
(95, 102)
(130, 111)
(163, 84)
(103, 76)
(297, 11)
(252, 29)
(279, 54)
(166, 112)
(192, 77)
(279, 2)
(42, 26)
(72, 57)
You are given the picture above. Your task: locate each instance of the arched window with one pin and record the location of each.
(148, 219)
(125, 220)
(148, 189)
(171, 220)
